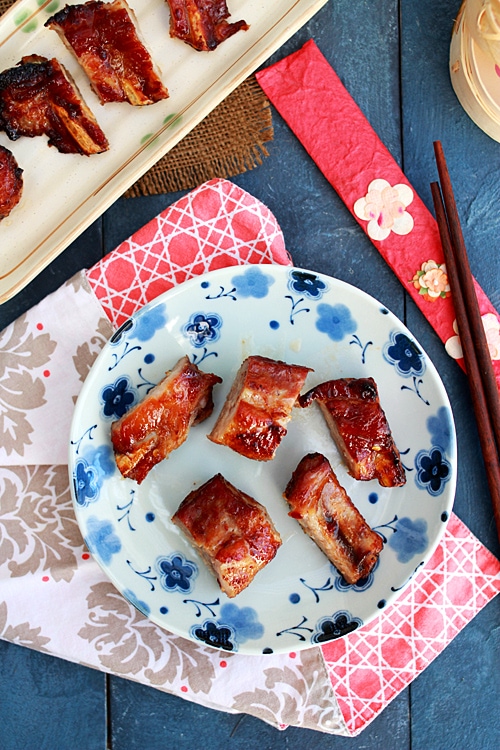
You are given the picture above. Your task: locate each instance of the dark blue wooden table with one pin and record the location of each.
(393, 58)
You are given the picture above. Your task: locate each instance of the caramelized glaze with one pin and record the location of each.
(359, 427)
(160, 423)
(232, 532)
(11, 182)
(105, 41)
(326, 513)
(258, 407)
(202, 23)
(38, 97)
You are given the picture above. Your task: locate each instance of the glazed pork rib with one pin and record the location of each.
(202, 23)
(326, 513)
(160, 423)
(104, 39)
(359, 427)
(38, 97)
(258, 406)
(232, 532)
(11, 182)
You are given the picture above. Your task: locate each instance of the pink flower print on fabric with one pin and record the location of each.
(492, 331)
(384, 208)
(432, 281)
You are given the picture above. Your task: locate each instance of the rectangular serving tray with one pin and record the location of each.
(64, 193)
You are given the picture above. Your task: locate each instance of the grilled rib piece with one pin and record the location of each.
(326, 514)
(359, 427)
(232, 532)
(160, 423)
(38, 97)
(11, 182)
(105, 41)
(202, 23)
(258, 406)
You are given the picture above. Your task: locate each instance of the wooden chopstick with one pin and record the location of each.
(466, 284)
(480, 374)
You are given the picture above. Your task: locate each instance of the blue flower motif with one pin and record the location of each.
(405, 355)
(335, 321)
(440, 428)
(214, 635)
(433, 470)
(137, 603)
(91, 469)
(102, 459)
(243, 620)
(409, 538)
(148, 322)
(306, 283)
(203, 329)
(252, 283)
(336, 626)
(101, 539)
(362, 585)
(176, 573)
(85, 482)
(117, 398)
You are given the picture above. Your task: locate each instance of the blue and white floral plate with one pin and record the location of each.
(219, 319)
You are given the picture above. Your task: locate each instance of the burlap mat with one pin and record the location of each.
(229, 141)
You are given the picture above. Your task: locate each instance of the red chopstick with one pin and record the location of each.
(481, 377)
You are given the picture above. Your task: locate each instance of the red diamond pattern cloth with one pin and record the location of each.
(371, 666)
(217, 225)
(214, 226)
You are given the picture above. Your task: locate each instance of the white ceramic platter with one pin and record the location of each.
(64, 193)
(218, 320)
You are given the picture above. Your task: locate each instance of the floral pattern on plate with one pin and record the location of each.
(218, 320)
